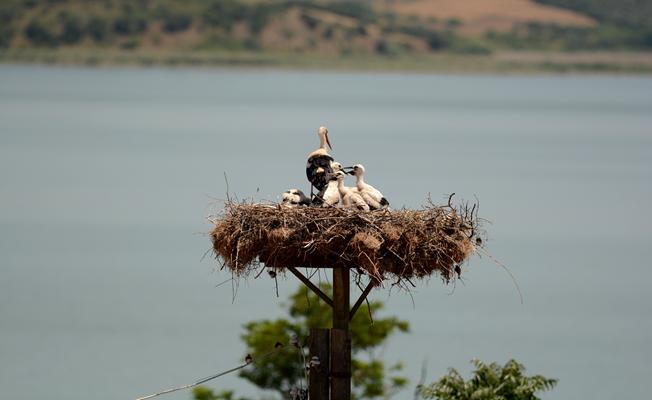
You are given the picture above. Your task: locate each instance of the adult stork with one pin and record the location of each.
(318, 167)
(350, 198)
(372, 196)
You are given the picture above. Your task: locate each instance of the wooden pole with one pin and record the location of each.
(341, 337)
(341, 298)
(319, 347)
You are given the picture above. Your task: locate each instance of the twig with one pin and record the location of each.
(503, 266)
(422, 379)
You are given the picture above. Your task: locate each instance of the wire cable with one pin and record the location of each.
(248, 362)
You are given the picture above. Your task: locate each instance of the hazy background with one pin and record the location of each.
(106, 176)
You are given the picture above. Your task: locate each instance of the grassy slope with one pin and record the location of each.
(633, 13)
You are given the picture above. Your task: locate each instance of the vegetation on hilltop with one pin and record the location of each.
(305, 26)
(338, 27)
(361, 34)
(622, 25)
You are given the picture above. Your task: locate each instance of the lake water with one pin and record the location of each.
(106, 176)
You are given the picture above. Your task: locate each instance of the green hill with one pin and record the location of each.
(251, 30)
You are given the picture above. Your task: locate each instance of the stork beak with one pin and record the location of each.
(328, 141)
(351, 172)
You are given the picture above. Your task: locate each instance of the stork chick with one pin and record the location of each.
(294, 198)
(338, 167)
(350, 198)
(372, 196)
(330, 195)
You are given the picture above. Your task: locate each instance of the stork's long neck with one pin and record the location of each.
(322, 141)
(340, 186)
(359, 180)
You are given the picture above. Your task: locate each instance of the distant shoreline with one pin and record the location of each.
(508, 62)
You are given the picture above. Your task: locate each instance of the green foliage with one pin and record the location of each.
(6, 34)
(40, 35)
(73, 29)
(623, 24)
(129, 24)
(535, 35)
(258, 16)
(436, 40)
(281, 371)
(203, 393)
(360, 10)
(176, 22)
(98, 29)
(310, 21)
(489, 382)
(626, 13)
(225, 13)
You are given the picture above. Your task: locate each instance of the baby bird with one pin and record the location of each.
(330, 195)
(350, 198)
(336, 166)
(372, 196)
(295, 198)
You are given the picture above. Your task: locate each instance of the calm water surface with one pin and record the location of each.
(106, 176)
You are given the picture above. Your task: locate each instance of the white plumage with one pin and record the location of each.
(372, 196)
(294, 198)
(350, 198)
(338, 167)
(331, 194)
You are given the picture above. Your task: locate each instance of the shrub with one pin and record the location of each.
(489, 382)
(98, 29)
(73, 30)
(309, 21)
(381, 47)
(224, 13)
(258, 17)
(173, 22)
(436, 41)
(129, 24)
(130, 44)
(40, 35)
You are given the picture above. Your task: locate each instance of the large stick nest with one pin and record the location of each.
(403, 244)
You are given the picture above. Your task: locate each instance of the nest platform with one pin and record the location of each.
(402, 244)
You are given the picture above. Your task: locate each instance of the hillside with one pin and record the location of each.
(336, 28)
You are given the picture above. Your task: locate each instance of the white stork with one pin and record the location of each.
(350, 198)
(330, 196)
(372, 196)
(318, 167)
(294, 198)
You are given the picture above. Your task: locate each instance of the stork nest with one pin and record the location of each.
(403, 244)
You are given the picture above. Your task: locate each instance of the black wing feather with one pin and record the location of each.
(323, 161)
